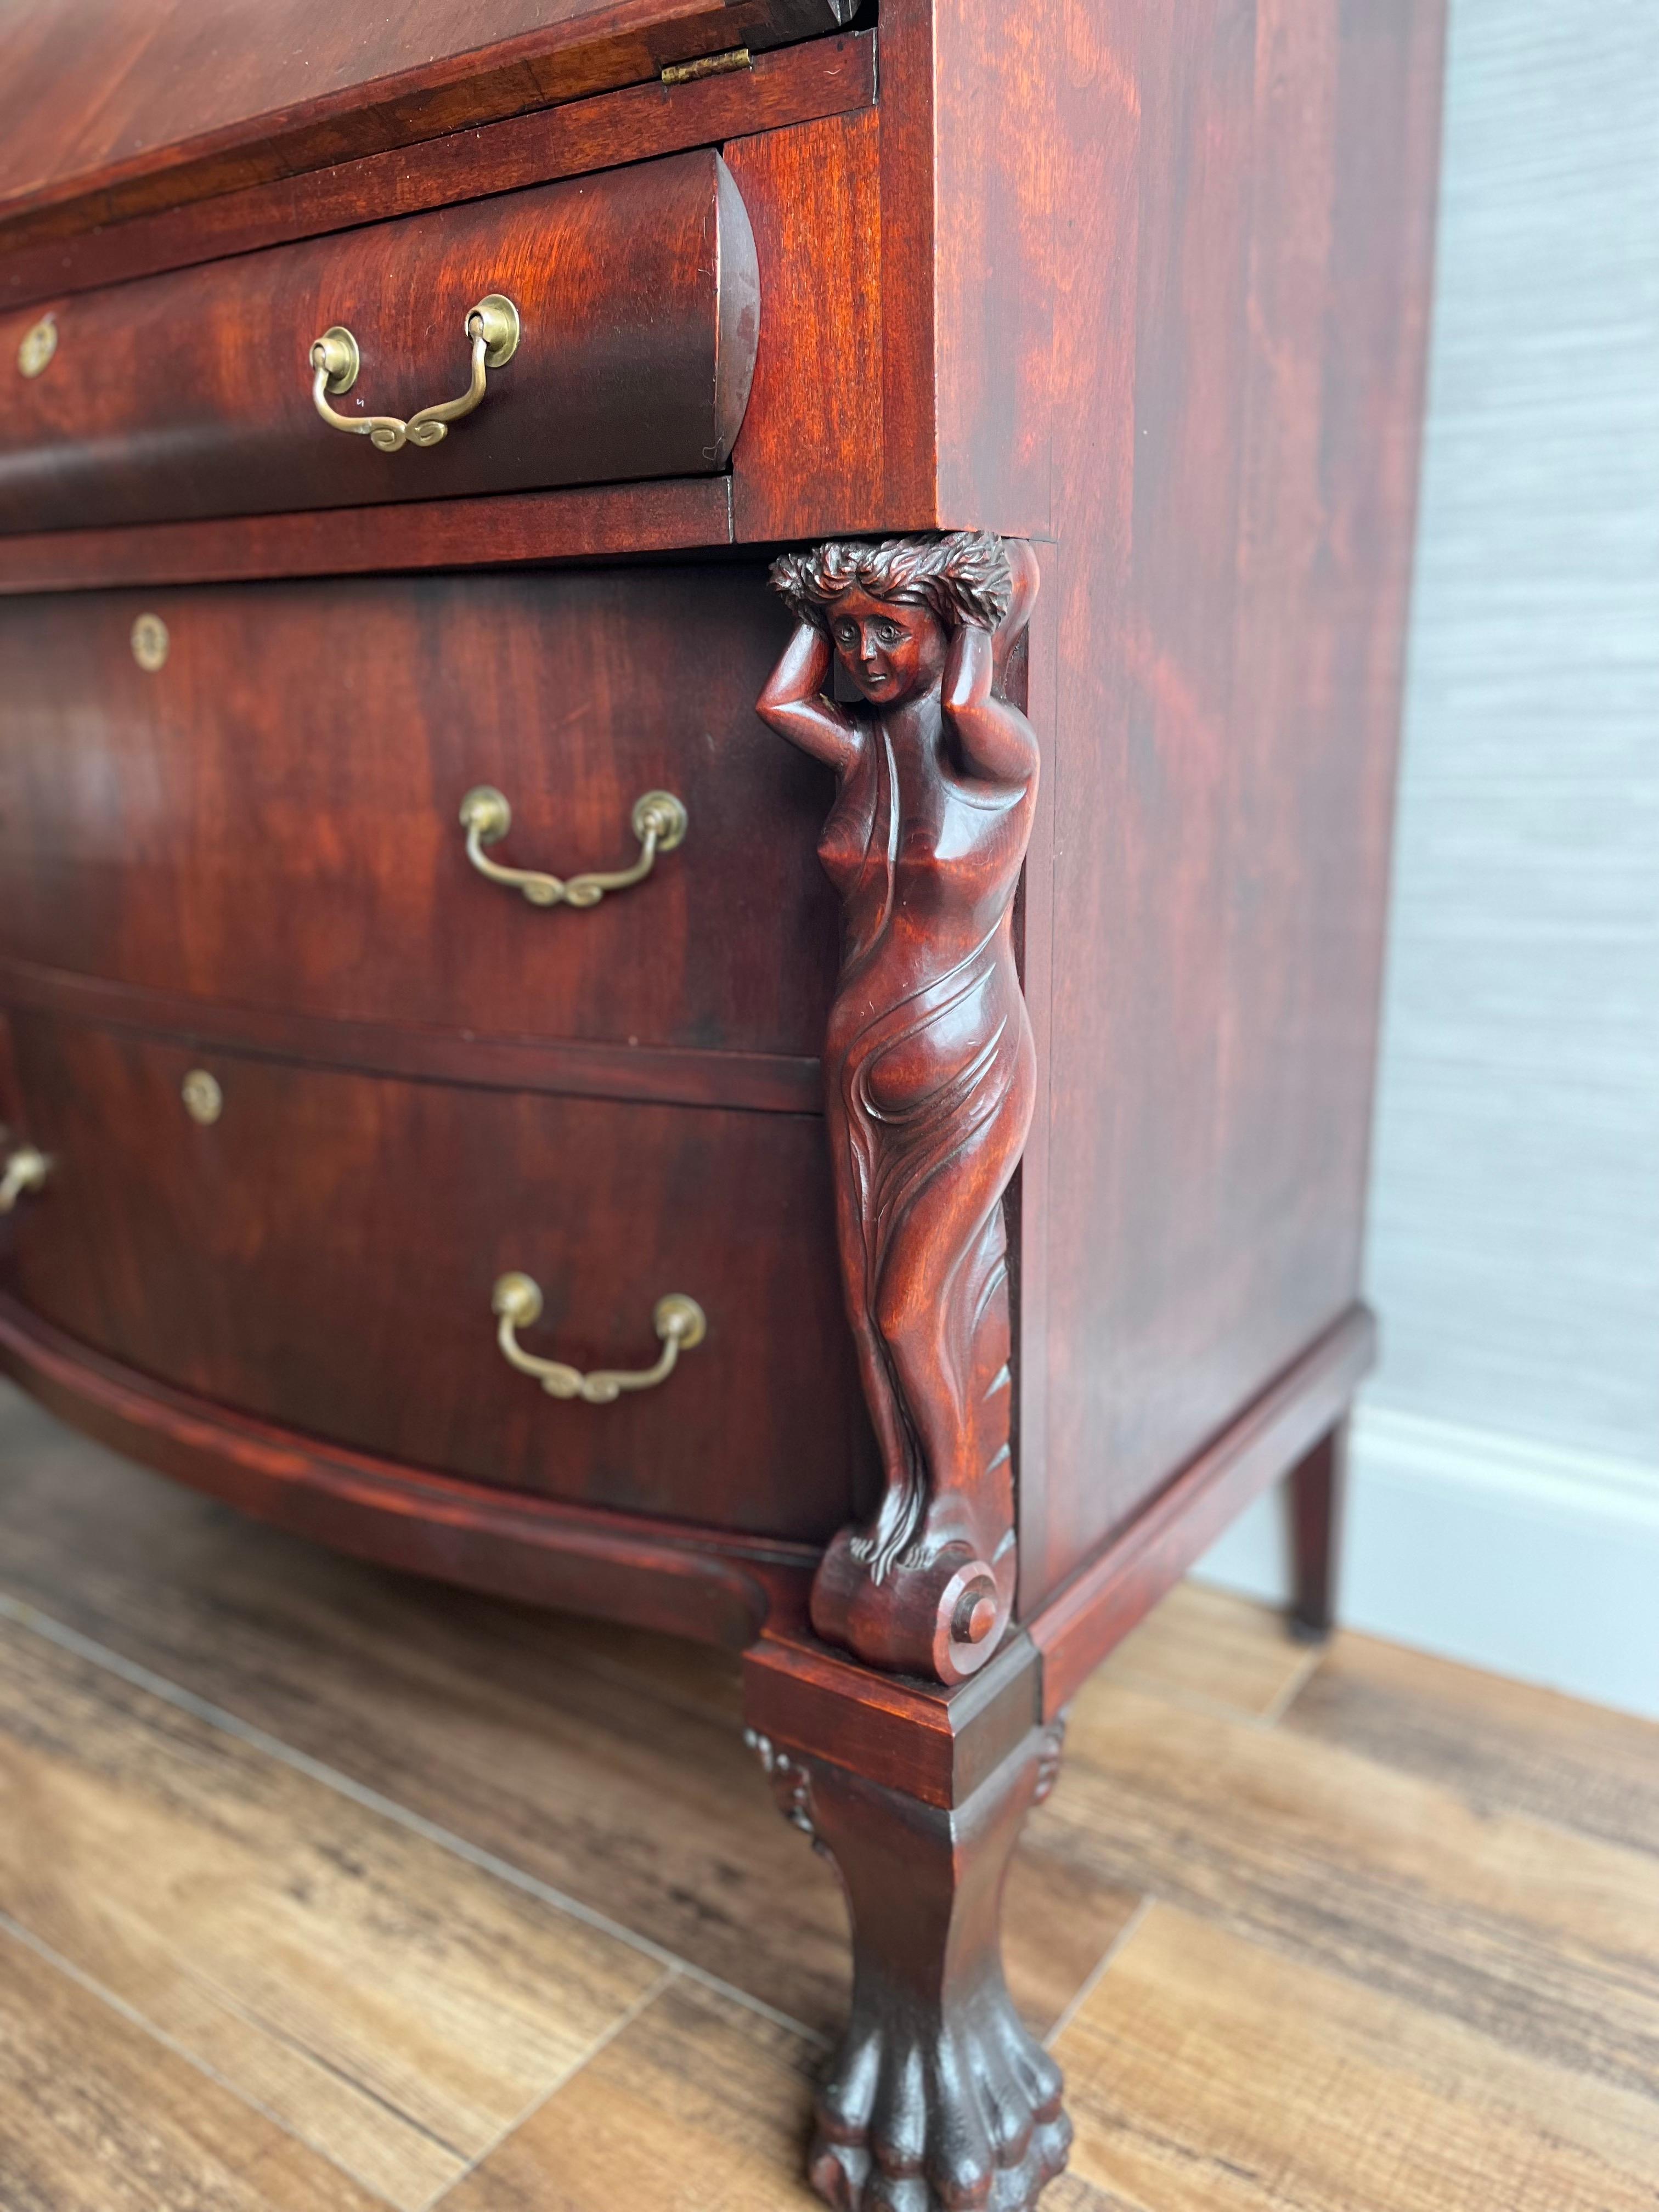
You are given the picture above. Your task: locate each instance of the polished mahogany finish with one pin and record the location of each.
(791, 84)
(686, 1581)
(931, 2011)
(110, 107)
(929, 1065)
(1217, 403)
(270, 820)
(1120, 1584)
(1030, 1288)
(1318, 1486)
(510, 530)
(322, 1256)
(636, 290)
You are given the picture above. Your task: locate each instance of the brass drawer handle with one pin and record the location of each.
(516, 1302)
(660, 823)
(25, 1171)
(492, 327)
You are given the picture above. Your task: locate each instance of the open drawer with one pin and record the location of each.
(616, 341)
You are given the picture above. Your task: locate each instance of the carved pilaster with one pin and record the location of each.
(929, 1068)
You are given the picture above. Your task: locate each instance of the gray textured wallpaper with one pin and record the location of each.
(1515, 1211)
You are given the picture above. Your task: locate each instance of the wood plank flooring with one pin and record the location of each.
(314, 1892)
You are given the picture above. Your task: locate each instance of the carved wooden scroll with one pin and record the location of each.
(929, 1070)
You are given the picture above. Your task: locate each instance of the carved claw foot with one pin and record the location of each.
(926, 2117)
(939, 2099)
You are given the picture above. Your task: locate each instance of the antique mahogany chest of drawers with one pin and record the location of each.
(697, 703)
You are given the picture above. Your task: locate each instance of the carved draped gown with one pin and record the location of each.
(930, 1075)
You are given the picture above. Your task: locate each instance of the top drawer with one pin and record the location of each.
(191, 394)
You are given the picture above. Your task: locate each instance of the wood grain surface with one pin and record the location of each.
(1503, 1748)
(393, 2006)
(1209, 2074)
(511, 527)
(792, 84)
(1363, 1958)
(329, 1245)
(1545, 1940)
(629, 1789)
(191, 394)
(1215, 399)
(217, 838)
(1206, 1647)
(96, 2112)
(696, 2102)
(112, 107)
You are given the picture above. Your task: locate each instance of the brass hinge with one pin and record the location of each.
(708, 65)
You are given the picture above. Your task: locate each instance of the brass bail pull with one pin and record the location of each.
(492, 331)
(24, 1172)
(659, 823)
(516, 1302)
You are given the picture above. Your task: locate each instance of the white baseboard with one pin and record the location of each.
(1515, 1555)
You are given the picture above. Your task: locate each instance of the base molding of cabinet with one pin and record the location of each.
(744, 1593)
(1076, 1628)
(538, 1551)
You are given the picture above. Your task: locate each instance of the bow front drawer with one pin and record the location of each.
(628, 1306)
(253, 795)
(590, 331)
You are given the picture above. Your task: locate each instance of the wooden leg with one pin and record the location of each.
(1317, 1484)
(939, 2098)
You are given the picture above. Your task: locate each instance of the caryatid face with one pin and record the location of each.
(891, 650)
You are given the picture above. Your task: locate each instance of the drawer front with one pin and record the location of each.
(270, 819)
(191, 394)
(322, 1254)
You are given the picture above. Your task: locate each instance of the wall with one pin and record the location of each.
(1506, 1461)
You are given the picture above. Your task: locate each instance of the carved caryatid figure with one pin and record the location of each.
(929, 1069)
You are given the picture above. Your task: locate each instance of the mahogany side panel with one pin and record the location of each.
(270, 820)
(791, 84)
(322, 1256)
(190, 394)
(1181, 325)
(508, 531)
(110, 108)
(541, 1552)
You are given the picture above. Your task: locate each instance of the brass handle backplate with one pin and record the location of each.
(492, 329)
(25, 1170)
(659, 823)
(516, 1302)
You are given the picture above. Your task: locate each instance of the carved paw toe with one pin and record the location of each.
(963, 2122)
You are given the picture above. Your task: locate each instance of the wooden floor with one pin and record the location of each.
(321, 1889)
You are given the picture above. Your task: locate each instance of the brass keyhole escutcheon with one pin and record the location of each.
(40, 343)
(205, 1102)
(150, 644)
